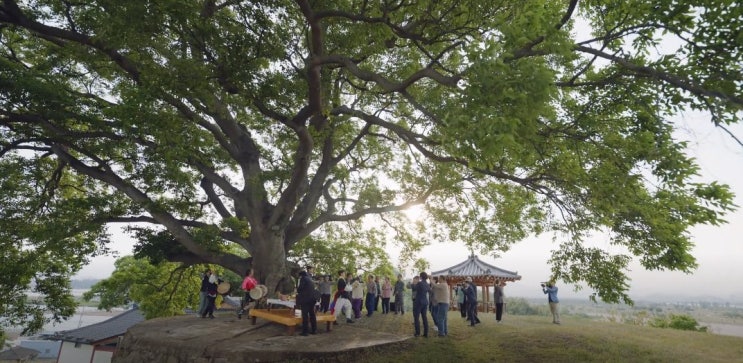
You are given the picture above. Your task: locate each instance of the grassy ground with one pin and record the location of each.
(536, 339)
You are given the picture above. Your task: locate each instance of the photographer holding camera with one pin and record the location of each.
(550, 289)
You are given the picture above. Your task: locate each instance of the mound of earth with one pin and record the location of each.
(189, 339)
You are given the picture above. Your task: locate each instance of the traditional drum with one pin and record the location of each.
(223, 288)
(256, 293)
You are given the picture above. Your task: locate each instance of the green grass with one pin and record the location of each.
(536, 339)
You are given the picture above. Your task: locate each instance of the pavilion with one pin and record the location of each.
(483, 275)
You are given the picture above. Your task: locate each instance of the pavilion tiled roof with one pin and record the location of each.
(91, 334)
(475, 267)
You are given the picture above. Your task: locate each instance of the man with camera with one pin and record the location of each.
(550, 289)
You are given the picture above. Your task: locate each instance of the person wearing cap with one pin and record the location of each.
(306, 302)
(470, 294)
(551, 290)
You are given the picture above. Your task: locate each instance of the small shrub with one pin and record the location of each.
(679, 322)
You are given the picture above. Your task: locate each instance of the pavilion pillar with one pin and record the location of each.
(487, 298)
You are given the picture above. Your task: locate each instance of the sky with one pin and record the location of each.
(719, 250)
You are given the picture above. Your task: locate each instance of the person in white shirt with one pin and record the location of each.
(441, 294)
(343, 303)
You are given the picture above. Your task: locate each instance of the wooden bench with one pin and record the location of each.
(288, 318)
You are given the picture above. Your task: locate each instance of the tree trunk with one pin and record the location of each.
(269, 264)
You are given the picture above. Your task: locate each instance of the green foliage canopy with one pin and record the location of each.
(162, 289)
(256, 125)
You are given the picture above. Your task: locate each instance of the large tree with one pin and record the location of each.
(261, 123)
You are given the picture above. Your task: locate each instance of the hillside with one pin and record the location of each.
(535, 339)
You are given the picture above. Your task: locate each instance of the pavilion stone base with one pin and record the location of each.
(188, 339)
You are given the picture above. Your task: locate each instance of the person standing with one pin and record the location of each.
(371, 295)
(470, 294)
(441, 293)
(551, 290)
(399, 295)
(420, 304)
(412, 285)
(326, 288)
(377, 298)
(211, 296)
(433, 304)
(499, 298)
(386, 295)
(204, 291)
(343, 299)
(460, 300)
(340, 286)
(357, 295)
(249, 282)
(306, 302)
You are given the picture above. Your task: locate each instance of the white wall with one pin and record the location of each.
(70, 354)
(102, 356)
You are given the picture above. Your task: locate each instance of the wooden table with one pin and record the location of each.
(288, 317)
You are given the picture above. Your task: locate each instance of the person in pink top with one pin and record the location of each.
(386, 295)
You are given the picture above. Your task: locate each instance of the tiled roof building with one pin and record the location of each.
(484, 275)
(96, 342)
(478, 270)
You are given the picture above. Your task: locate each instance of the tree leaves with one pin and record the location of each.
(264, 127)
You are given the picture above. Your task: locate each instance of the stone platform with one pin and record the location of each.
(189, 339)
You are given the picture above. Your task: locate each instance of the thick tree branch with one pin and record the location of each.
(230, 236)
(387, 85)
(663, 76)
(526, 50)
(11, 13)
(109, 177)
(216, 202)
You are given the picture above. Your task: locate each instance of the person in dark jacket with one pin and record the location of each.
(306, 302)
(211, 296)
(204, 291)
(420, 304)
(470, 293)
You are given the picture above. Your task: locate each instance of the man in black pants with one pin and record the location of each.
(499, 298)
(306, 302)
(470, 293)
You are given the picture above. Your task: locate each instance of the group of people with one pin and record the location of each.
(434, 297)
(351, 292)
